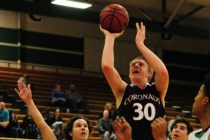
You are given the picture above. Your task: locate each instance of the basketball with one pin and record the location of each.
(114, 18)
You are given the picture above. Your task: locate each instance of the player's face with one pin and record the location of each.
(198, 102)
(138, 69)
(179, 132)
(80, 130)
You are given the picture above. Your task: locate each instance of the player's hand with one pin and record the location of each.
(122, 129)
(140, 34)
(23, 92)
(159, 128)
(107, 33)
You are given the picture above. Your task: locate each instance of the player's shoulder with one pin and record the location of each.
(192, 135)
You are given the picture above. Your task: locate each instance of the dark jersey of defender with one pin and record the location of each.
(140, 107)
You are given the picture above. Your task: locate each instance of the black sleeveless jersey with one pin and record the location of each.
(140, 107)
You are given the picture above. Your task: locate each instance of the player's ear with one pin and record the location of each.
(206, 100)
(149, 74)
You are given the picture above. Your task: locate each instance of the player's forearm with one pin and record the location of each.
(152, 58)
(128, 136)
(108, 52)
(45, 130)
(35, 113)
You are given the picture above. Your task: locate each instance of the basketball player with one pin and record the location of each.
(200, 108)
(26, 95)
(139, 102)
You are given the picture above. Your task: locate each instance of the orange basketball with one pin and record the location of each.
(114, 18)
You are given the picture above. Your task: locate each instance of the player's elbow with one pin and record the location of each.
(165, 74)
(163, 77)
(105, 67)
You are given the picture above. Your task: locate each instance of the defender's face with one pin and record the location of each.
(80, 130)
(179, 132)
(198, 102)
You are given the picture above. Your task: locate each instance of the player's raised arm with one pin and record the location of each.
(116, 83)
(26, 95)
(161, 73)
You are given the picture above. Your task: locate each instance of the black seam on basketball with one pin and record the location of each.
(119, 23)
(112, 12)
(110, 26)
(122, 15)
(105, 18)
